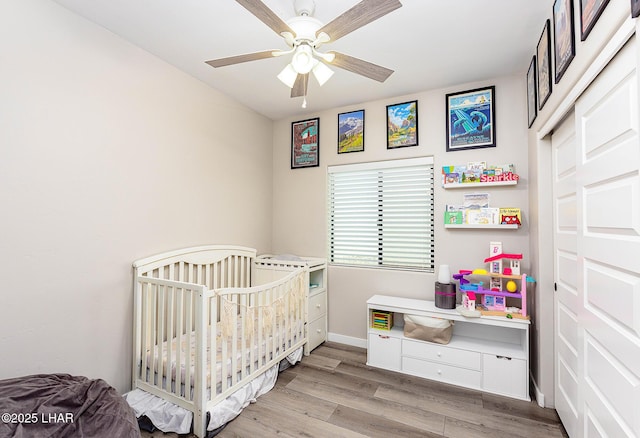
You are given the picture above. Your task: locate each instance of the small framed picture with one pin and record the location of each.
(471, 119)
(532, 104)
(305, 143)
(402, 125)
(635, 8)
(564, 46)
(351, 132)
(590, 11)
(543, 59)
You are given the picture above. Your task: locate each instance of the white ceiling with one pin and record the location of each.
(428, 43)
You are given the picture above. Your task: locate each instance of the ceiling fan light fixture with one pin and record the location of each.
(303, 60)
(288, 76)
(322, 73)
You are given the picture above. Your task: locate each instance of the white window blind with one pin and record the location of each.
(381, 214)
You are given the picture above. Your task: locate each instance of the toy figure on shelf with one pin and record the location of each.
(505, 282)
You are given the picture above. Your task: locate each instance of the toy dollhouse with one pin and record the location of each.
(505, 281)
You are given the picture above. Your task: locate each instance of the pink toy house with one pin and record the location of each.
(469, 301)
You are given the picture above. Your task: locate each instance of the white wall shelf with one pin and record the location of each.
(478, 184)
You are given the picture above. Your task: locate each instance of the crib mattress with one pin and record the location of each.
(187, 346)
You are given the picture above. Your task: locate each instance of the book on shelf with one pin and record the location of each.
(473, 201)
(510, 216)
(483, 216)
(453, 217)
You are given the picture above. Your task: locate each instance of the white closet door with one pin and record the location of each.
(567, 387)
(598, 258)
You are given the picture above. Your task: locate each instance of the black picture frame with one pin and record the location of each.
(543, 63)
(635, 8)
(532, 96)
(351, 132)
(590, 11)
(305, 143)
(402, 125)
(471, 119)
(564, 37)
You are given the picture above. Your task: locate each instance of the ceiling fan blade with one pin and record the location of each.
(361, 67)
(240, 58)
(266, 15)
(300, 87)
(363, 13)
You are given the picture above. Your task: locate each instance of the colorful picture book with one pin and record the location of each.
(510, 216)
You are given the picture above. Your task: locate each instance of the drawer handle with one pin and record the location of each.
(383, 337)
(318, 306)
(439, 354)
(503, 357)
(319, 330)
(439, 371)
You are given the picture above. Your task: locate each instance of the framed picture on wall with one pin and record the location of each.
(590, 11)
(471, 119)
(635, 8)
(564, 45)
(305, 143)
(351, 132)
(532, 104)
(402, 125)
(543, 59)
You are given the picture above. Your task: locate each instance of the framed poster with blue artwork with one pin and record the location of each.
(471, 119)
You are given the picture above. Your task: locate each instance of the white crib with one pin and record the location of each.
(202, 330)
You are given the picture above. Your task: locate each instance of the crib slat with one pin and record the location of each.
(213, 369)
(200, 380)
(179, 339)
(160, 339)
(154, 337)
(236, 271)
(234, 346)
(224, 356)
(170, 336)
(144, 341)
(188, 330)
(256, 361)
(242, 336)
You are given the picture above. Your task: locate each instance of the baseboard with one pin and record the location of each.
(539, 394)
(348, 340)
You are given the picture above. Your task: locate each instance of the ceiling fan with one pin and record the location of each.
(304, 34)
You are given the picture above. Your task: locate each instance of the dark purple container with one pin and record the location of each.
(445, 295)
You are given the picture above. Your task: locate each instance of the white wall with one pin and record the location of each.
(108, 155)
(299, 224)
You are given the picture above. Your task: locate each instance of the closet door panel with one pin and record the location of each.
(608, 244)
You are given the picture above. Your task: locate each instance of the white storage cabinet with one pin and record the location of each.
(488, 353)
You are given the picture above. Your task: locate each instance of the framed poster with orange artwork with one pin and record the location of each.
(305, 143)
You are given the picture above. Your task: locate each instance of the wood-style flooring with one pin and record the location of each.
(333, 393)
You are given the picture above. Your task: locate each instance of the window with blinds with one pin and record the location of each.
(381, 214)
